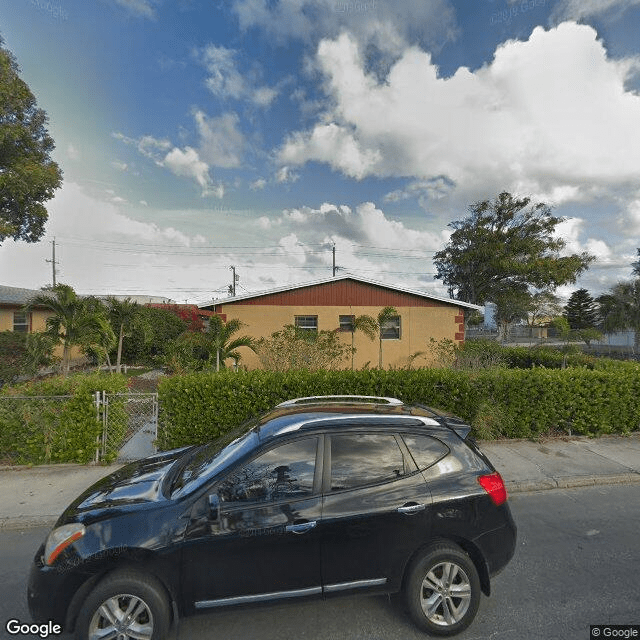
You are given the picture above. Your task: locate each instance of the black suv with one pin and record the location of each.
(320, 496)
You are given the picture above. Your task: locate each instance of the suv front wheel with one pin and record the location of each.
(125, 605)
(443, 590)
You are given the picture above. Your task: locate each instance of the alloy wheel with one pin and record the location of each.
(122, 617)
(445, 594)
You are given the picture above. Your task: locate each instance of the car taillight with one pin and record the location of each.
(494, 486)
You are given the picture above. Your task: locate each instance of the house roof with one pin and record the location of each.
(15, 296)
(294, 287)
(186, 307)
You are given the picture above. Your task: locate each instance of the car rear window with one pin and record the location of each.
(363, 459)
(425, 449)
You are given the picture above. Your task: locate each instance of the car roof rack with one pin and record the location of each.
(394, 402)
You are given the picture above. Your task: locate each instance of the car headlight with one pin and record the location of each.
(60, 538)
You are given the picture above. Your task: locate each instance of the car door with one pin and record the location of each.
(254, 536)
(376, 511)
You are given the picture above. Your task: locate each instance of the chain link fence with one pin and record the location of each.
(45, 429)
(130, 425)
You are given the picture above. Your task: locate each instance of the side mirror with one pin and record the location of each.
(214, 506)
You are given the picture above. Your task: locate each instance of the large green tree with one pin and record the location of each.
(503, 252)
(74, 320)
(620, 309)
(28, 175)
(581, 311)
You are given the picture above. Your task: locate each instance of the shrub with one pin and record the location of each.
(497, 403)
(47, 426)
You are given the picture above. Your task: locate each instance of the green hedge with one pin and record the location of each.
(498, 403)
(46, 427)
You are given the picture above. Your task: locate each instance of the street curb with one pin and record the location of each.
(569, 482)
(27, 522)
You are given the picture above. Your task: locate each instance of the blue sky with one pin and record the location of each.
(198, 135)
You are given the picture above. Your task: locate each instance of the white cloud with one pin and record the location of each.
(143, 8)
(102, 248)
(185, 162)
(581, 9)
(389, 26)
(225, 81)
(221, 142)
(366, 225)
(424, 190)
(72, 152)
(258, 185)
(630, 219)
(550, 115)
(120, 166)
(148, 146)
(285, 174)
(334, 145)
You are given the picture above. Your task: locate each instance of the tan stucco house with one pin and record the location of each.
(12, 314)
(13, 317)
(332, 303)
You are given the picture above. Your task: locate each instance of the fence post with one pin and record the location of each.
(96, 396)
(105, 413)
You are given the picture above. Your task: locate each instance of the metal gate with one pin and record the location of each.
(129, 425)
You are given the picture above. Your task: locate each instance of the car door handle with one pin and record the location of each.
(303, 527)
(411, 508)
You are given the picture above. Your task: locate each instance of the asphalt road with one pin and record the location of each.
(577, 563)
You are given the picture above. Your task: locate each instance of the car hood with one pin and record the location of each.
(135, 483)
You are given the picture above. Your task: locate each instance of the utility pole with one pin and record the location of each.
(53, 260)
(334, 260)
(234, 279)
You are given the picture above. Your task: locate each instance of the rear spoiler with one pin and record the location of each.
(459, 426)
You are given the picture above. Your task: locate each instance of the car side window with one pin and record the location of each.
(425, 449)
(282, 472)
(360, 459)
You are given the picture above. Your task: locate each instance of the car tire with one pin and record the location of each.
(128, 602)
(442, 590)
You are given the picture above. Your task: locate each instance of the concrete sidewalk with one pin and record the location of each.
(36, 496)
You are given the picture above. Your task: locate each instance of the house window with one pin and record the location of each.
(307, 322)
(347, 323)
(390, 330)
(21, 321)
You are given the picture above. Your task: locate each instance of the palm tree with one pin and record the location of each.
(384, 317)
(368, 326)
(75, 321)
(219, 339)
(122, 315)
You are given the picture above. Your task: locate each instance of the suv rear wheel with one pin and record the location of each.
(125, 605)
(442, 590)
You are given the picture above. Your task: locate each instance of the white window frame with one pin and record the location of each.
(301, 322)
(20, 325)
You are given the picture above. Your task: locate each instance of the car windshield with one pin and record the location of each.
(205, 462)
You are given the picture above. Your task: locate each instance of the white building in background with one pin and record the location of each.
(145, 299)
(619, 339)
